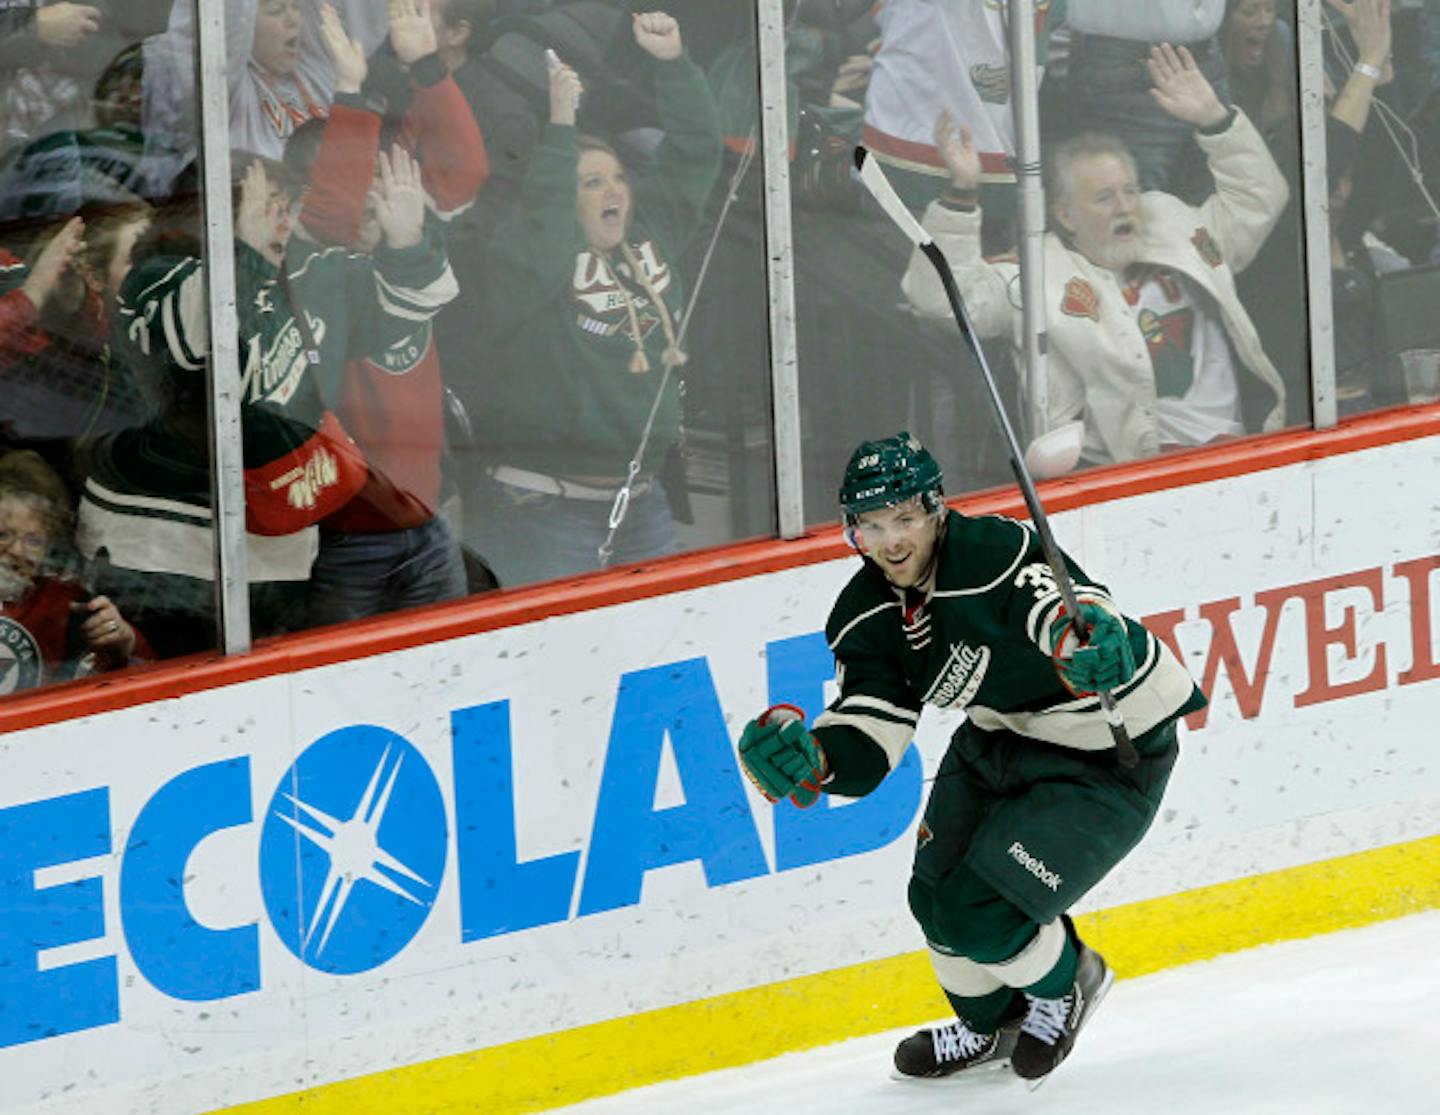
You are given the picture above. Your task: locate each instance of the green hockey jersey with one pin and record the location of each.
(979, 640)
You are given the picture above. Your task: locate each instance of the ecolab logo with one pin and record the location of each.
(353, 835)
(1035, 866)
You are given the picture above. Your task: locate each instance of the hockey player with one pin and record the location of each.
(1030, 808)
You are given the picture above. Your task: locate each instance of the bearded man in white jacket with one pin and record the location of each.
(1148, 343)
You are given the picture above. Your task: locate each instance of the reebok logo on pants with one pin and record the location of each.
(1035, 866)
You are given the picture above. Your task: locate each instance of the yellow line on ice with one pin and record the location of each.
(561, 1068)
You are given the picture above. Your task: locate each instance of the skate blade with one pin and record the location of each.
(1095, 1001)
(990, 1070)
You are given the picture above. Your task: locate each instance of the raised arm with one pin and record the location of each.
(1369, 23)
(439, 126)
(689, 158)
(1250, 191)
(412, 278)
(953, 220)
(345, 160)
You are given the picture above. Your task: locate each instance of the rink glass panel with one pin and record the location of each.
(550, 386)
(97, 152)
(868, 364)
(1384, 254)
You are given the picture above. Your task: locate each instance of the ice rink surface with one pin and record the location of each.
(1344, 1024)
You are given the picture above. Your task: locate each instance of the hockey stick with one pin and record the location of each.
(881, 190)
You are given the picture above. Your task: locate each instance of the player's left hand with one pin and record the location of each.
(782, 759)
(1103, 661)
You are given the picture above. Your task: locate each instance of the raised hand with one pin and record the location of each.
(347, 55)
(52, 261)
(957, 149)
(1369, 23)
(565, 90)
(1181, 89)
(400, 198)
(257, 216)
(411, 33)
(852, 76)
(66, 24)
(658, 35)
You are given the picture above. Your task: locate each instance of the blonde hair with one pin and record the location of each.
(25, 475)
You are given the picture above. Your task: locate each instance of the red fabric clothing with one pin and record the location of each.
(20, 332)
(394, 413)
(34, 636)
(335, 201)
(438, 129)
(40, 640)
(391, 403)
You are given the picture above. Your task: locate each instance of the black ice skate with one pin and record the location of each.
(953, 1048)
(1051, 1025)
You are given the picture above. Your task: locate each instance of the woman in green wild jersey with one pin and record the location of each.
(1030, 807)
(586, 299)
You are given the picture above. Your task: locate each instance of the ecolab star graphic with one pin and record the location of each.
(353, 846)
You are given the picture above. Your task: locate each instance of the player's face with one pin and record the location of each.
(602, 199)
(24, 540)
(1102, 213)
(276, 47)
(901, 540)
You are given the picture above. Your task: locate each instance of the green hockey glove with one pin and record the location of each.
(781, 758)
(1103, 660)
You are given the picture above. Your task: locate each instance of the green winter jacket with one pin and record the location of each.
(557, 395)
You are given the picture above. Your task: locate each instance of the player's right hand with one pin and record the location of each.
(782, 759)
(1103, 661)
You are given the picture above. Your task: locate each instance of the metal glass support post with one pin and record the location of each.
(227, 470)
(1315, 201)
(780, 267)
(1024, 99)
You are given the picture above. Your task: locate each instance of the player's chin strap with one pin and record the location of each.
(621, 507)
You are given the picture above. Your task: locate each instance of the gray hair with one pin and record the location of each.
(1059, 168)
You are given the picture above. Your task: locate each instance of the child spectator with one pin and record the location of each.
(51, 628)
